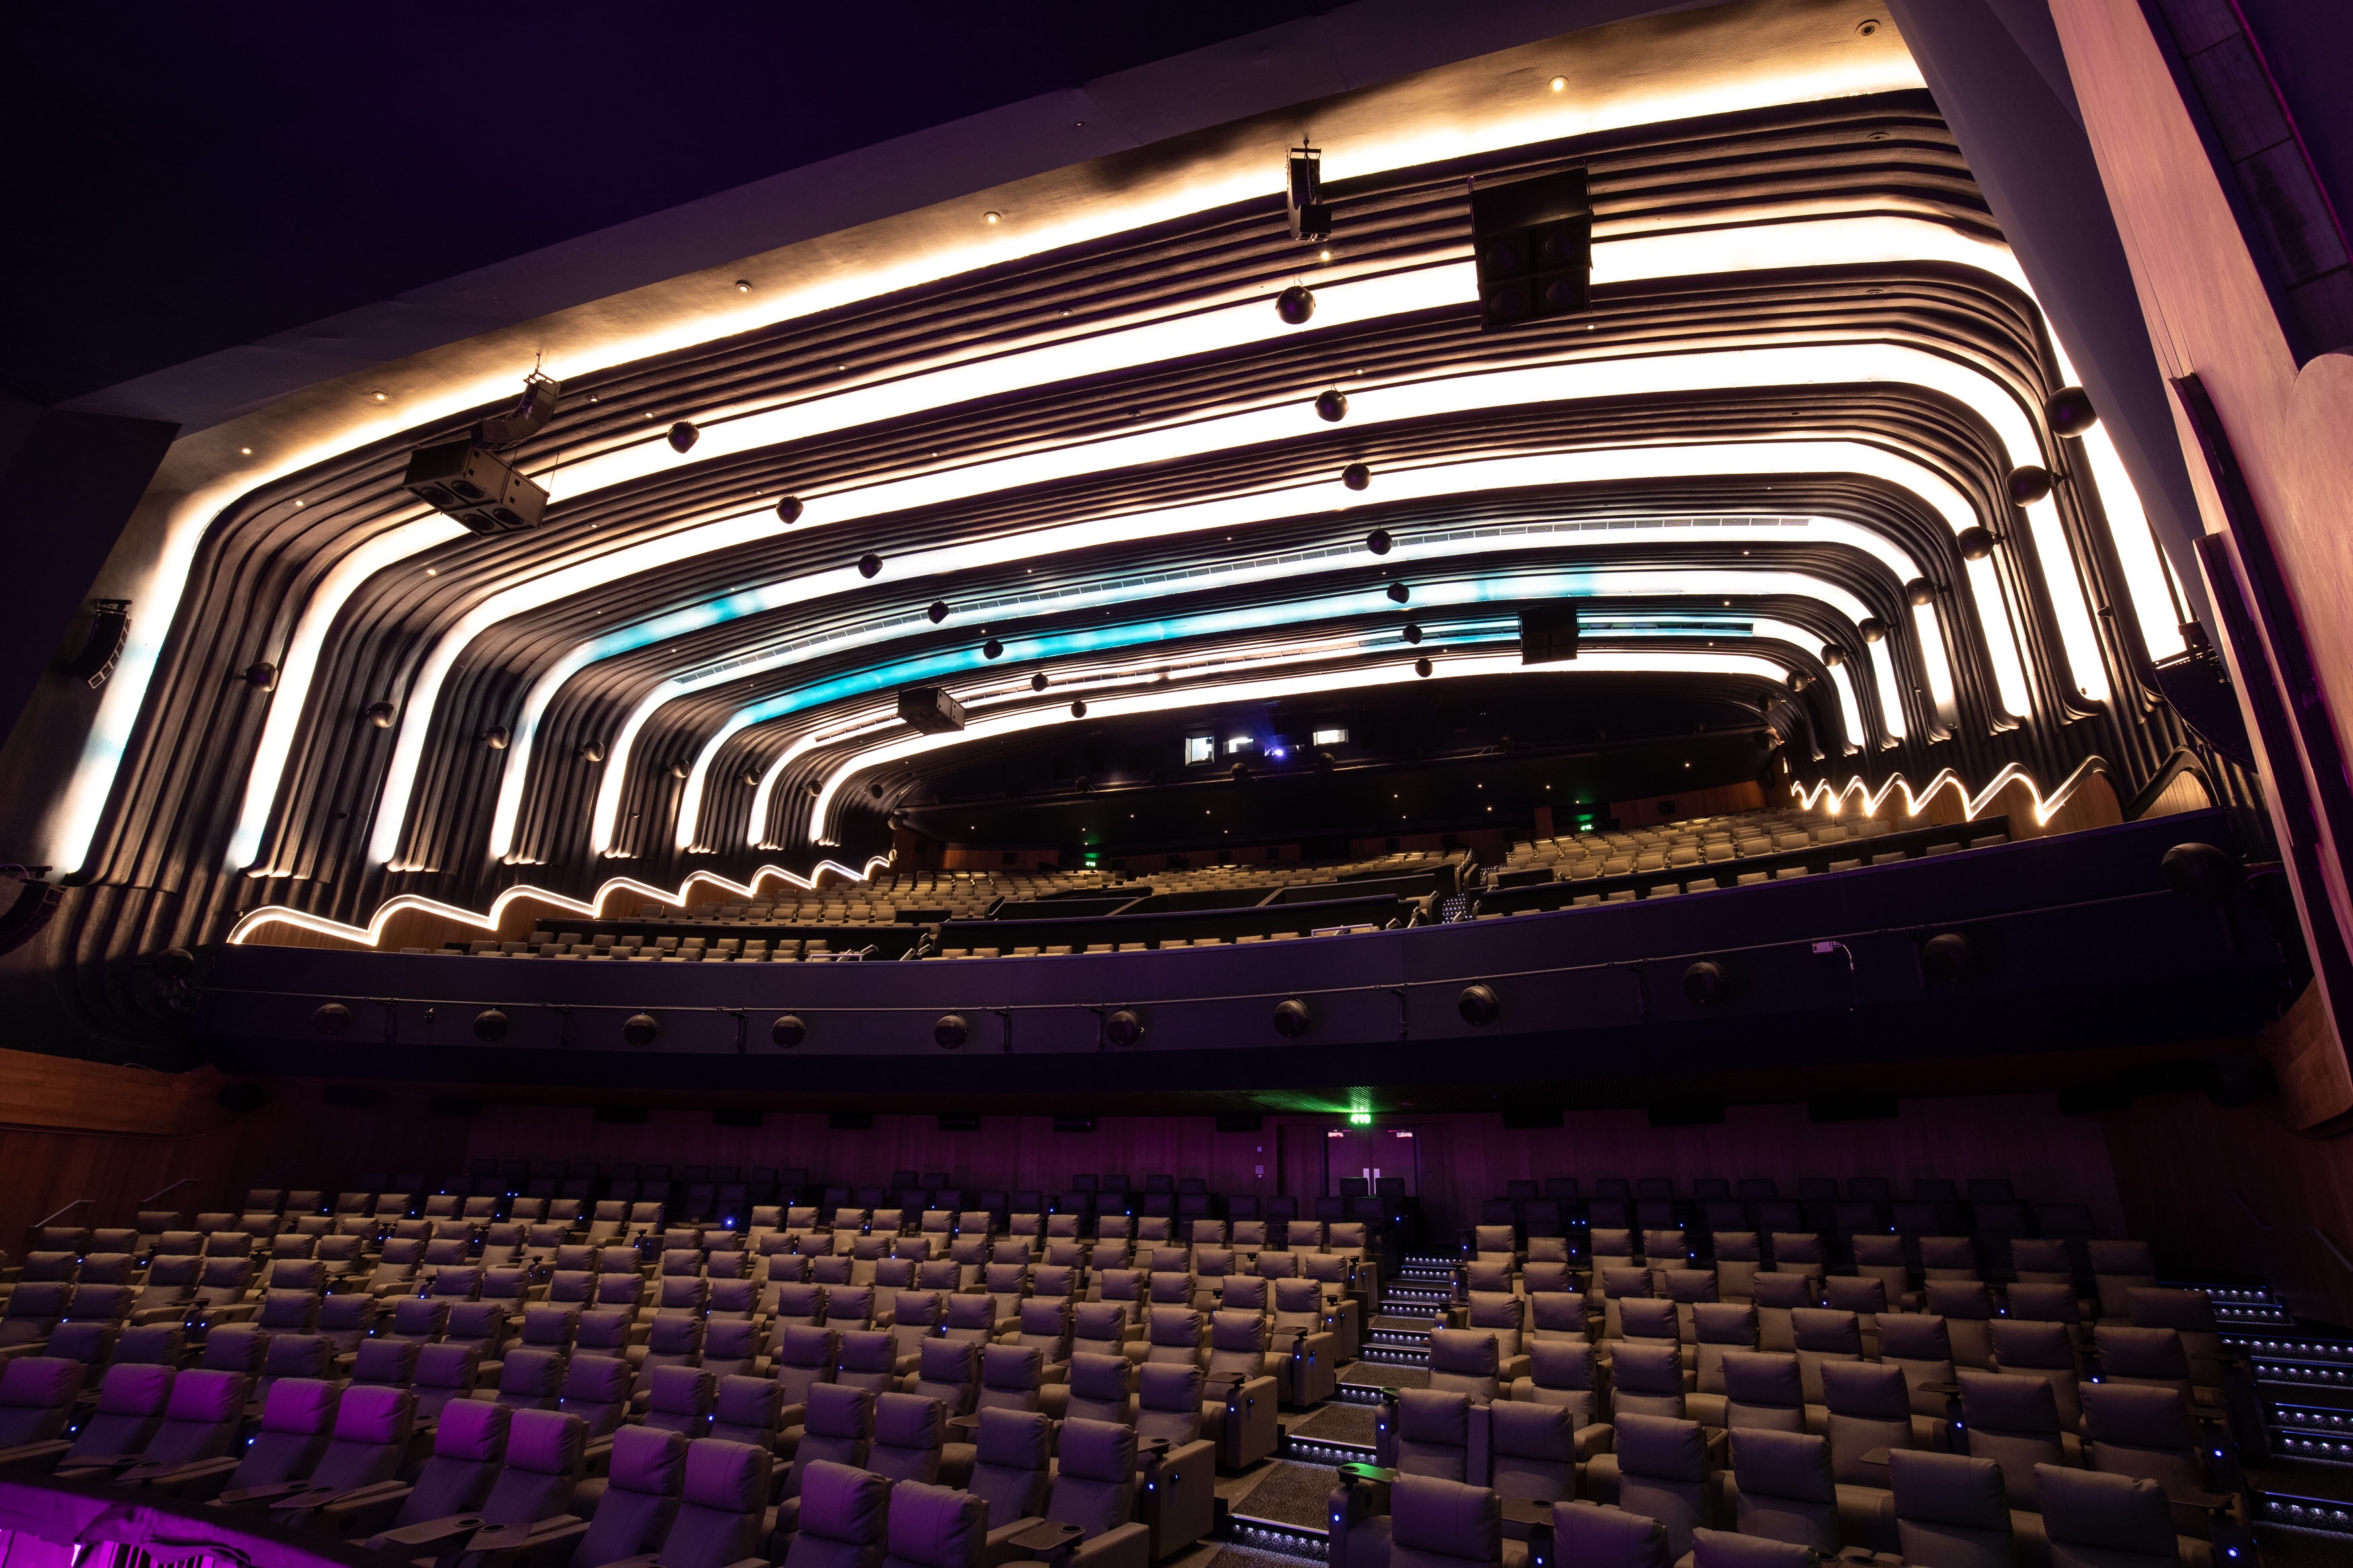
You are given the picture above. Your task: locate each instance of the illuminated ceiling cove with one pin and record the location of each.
(1053, 445)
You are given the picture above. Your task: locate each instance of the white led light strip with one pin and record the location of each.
(1466, 393)
(1811, 242)
(879, 718)
(1834, 798)
(1612, 582)
(1439, 547)
(1391, 673)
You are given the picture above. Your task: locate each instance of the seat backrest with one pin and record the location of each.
(1786, 1488)
(1010, 1377)
(1593, 1536)
(2142, 1430)
(35, 1394)
(1463, 1360)
(2108, 1519)
(298, 1417)
(1532, 1449)
(805, 1357)
(747, 1410)
(131, 1401)
(1434, 1522)
(648, 1470)
(444, 1373)
(1951, 1510)
(1869, 1408)
(597, 1389)
(1094, 1477)
(201, 1418)
(371, 1437)
(545, 1452)
(1010, 1453)
(949, 1372)
(1764, 1390)
(870, 1360)
(845, 1517)
(721, 1506)
(1662, 1474)
(934, 1527)
(1429, 1434)
(1649, 1378)
(836, 1424)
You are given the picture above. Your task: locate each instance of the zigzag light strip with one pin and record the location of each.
(373, 932)
(1825, 796)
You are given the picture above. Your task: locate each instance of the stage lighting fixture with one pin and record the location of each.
(496, 739)
(261, 676)
(868, 564)
(1479, 1004)
(1873, 628)
(1412, 631)
(331, 1018)
(1124, 1028)
(1331, 406)
(1706, 983)
(1422, 666)
(489, 1025)
(1533, 244)
(789, 1031)
(952, 1031)
(938, 612)
(380, 714)
(1291, 1018)
(1548, 633)
(2029, 483)
(1975, 544)
(527, 418)
(1356, 476)
(1037, 681)
(1311, 217)
(790, 509)
(1295, 304)
(931, 709)
(1398, 592)
(1378, 542)
(641, 1029)
(2069, 411)
(1919, 592)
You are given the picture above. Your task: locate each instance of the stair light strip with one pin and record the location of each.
(949, 664)
(1816, 242)
(1396, 672)
(622, 744)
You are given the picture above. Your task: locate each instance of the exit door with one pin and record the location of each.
(1372, 1154)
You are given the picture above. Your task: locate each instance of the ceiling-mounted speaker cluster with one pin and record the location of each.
(470, 480)
(109, 629)
(1548, 633)
(1534, 242)
(1311, 215)
(931, 709)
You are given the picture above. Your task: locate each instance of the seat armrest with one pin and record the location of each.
(263, 1497)
(413, 1539)
(1598, 1438)
(1121, 1546)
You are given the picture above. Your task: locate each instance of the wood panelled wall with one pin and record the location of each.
(2232, 1189)
(73, 1130)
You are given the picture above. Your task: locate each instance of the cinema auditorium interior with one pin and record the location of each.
(1532, 783)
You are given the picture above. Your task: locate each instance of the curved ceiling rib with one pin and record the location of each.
(1104, 458)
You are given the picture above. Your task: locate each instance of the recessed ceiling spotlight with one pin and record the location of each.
(245, 451)
(380, 396)
(433, 571)
(1323, 256)
(1558, 84)
(992, 218)
(743, 285)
